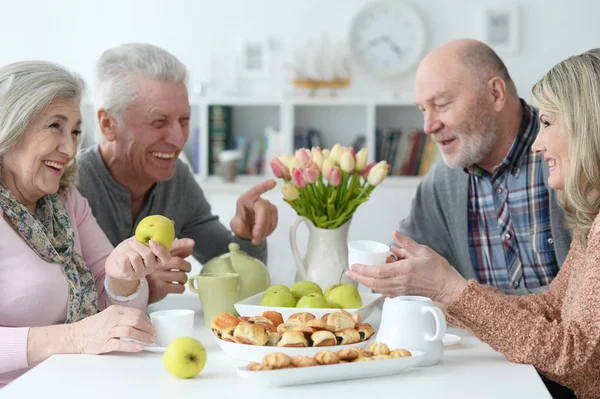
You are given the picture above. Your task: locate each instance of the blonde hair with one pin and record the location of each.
(572, 88)
(26, 89)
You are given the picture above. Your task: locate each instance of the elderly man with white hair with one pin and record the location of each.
(143, 115)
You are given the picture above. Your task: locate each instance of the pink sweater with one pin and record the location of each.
(34, 292)
(558, 332)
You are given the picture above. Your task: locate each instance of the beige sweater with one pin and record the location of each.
(558, 332)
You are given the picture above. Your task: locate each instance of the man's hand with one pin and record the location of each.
(255, 217)
(419, 270)
(171, 278)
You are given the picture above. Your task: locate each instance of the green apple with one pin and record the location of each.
(156, 228)
(276, 287)
(313, 300)
(278, 297)
(343, 296)
(302, 288)
(185, 357)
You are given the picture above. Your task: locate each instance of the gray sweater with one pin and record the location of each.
(438, 219)
(181, 199)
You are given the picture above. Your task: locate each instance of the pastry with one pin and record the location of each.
(347, 336)
(381, 357)
(267, 323)
(277, 360)
(348, 355)
(285, 327)
(305, 329)
(258, 367)
(243, 318)
(357, 319)
(273, 339)
(302, 317)
(379, 348)
(340, 320)
(222, 321)
(362, 359)
(275, 317)
(323, 338)
(325, 316)
(303, 361)
(365, 331)
(327, 357)
(400, 353)
(250, 334)
(293, 339)
(227, 334)
(319, 325)
(360, 351)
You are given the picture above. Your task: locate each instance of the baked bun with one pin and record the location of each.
(277, 360)
(347, 336)
(227, 334)
(283, 327)
(319, 325)
(340, 320)
(348, 355)
(323, 338)
(303, 361)
(222, 321)
(293, 339)
(267, 323)
(273, 339)
(275, 317)
(327, 357)
(301, 317)
(250, 334)
(365, 331)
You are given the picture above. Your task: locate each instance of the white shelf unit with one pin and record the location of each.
(338, 119)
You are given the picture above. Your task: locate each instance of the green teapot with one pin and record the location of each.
(254, 275)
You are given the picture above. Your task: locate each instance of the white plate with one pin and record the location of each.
(451, 339)
(251, 307)
(155, 349)
(252, 353)
(334, 372)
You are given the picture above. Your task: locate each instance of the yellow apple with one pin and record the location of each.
(185, 357)
(156, 228)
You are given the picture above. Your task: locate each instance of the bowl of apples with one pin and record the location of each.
(306, 296)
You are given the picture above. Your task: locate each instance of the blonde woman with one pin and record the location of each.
(59, 274)
(557, 331)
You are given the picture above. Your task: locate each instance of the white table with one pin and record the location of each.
(470, 369)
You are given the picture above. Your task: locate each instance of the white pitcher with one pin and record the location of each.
(413, 323)
(326, 256)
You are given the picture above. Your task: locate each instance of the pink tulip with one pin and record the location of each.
(327, 164)
(352, 151)
(312, 172)
(279, 169)
(289, 192)
(361, 160)
(378, 173)
(315, 149)
(298, 177)
(335, 176)
(347, 162)
(303, 155)
(365, 172)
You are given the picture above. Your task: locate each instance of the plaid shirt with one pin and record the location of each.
(510, 240)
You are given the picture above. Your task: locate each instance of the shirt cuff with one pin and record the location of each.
(120, 298)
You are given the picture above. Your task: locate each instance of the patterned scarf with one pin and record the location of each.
(53, 240)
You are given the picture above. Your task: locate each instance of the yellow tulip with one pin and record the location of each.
(336, 154)
(361, 160)
(347, 162)
(378, 173)
(289, 192)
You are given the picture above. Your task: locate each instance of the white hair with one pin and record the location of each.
(118, 69)
(26, 89)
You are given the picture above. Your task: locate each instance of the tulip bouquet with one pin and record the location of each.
(327, 186)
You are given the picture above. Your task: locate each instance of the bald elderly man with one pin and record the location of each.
(487, 207)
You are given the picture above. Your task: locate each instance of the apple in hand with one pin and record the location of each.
(156, 228)
(185, 357)
(302, 288)
(313, 300)
(343, 296)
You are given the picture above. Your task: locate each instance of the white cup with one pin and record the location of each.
(367, 252)
(172, 324)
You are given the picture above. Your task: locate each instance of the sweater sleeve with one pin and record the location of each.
(534, 329)
(13, 348)
(95, 248)
(211, 236)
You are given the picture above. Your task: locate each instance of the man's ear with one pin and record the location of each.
(497, 90)
(107, 124)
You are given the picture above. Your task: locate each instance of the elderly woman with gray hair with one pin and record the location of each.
(63, 287)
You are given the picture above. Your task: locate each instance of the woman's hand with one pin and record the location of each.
(101, 332)
(419, 270)
(132, 260)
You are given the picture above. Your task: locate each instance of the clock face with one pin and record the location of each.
(387, 38)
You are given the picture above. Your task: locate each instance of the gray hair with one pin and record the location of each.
(26, 89)
(485, 63)
(118, 68)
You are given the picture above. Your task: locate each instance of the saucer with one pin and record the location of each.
(451, 339)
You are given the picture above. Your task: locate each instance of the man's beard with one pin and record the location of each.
(475, 141)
